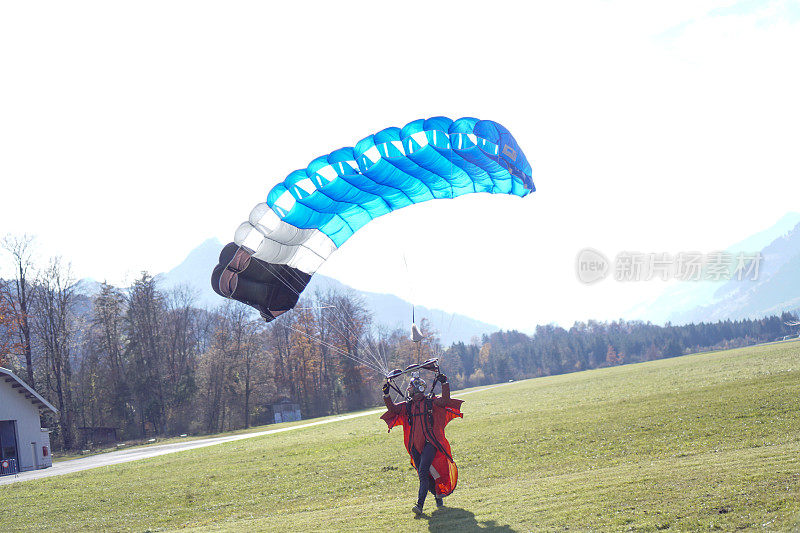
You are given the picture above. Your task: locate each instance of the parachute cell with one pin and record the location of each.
(312, 212)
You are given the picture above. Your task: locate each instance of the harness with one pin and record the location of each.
(427, 425)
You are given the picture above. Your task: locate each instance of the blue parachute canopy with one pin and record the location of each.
(315, 210)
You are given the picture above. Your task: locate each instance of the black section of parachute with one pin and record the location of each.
(270, 288)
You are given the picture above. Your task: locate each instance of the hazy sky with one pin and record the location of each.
(132, 132)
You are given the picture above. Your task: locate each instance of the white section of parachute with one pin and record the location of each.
(274, 241)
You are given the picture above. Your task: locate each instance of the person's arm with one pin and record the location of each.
(390, 405)
(387, 400)
(445, 397)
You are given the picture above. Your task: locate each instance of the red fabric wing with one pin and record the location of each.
(443, 469)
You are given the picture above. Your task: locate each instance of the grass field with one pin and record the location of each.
(141, 444)
(709, 441)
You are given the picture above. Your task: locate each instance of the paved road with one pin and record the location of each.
(134, 454)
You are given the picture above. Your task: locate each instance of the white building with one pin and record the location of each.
(24, 444)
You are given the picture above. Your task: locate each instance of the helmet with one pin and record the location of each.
(416, 385)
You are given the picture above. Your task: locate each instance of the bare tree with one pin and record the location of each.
(54, 327)
(215, 371)
(234, 367)
(21, 248)
(9, 325)
(247, 355)
(351, 321)
(183, 332)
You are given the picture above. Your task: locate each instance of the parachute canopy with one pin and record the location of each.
(311, 213)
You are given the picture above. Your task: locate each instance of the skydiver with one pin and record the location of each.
(424, 419)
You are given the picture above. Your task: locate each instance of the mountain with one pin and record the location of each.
(777, 288)
(87, 287)
(394, 312)
(194, 272)
(388, 310)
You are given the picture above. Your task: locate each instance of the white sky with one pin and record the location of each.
(131, 132)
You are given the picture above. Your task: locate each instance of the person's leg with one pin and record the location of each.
(432, 490)
(424, 472)
(415, 455)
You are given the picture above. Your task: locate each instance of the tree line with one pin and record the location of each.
(149, 361)
(553, 350)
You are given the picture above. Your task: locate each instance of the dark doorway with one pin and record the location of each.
(8, 440)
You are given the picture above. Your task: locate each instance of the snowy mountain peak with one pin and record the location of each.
(87, 287)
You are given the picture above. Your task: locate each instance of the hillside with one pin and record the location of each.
(388, 310)
(708, 441)
(777, 288)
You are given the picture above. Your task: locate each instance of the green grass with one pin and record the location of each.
(138, 444)
(709, 441)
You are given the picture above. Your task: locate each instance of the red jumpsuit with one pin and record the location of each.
(421, 426)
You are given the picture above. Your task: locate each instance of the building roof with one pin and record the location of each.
(23, 388)
(281, 399)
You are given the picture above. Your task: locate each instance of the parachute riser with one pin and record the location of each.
(395, 387)
(433, 388)
(431, 365)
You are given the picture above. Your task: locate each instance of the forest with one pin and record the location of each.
(149, 362)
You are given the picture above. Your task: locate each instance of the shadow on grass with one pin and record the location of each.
(455, 519)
